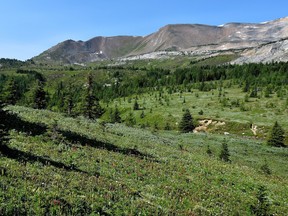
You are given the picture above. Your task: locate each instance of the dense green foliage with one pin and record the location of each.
(6, 63)
(91, 107)
(3, 129)
(186, 125)
(40, 98)
(224, 154)
(277, 136)
(115, 116)
(258, 80)
(10, 94)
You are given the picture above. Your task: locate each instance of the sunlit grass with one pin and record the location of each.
(177, 178)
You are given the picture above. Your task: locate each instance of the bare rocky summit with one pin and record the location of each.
(260, 42)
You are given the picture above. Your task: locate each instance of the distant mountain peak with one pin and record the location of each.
(189, 38)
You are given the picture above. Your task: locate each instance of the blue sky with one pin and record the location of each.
(28, 27)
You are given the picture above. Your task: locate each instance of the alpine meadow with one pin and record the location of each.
(195, 124)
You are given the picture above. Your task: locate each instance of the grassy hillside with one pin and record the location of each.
(237, 116)
(87, 167)
(60, 163)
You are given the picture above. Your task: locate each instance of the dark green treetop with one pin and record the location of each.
(186, 125)
(3, 119)
(276, 137)
(40, 96)
(91, 105)
(224, 154)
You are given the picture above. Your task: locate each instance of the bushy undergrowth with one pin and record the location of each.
(112, 169)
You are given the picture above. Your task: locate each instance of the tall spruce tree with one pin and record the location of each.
(186, 125)
(11, 94)
(276, 136)
(69, 100)
(224, 154)
(91, 108)
(40, 96)
(68, 104)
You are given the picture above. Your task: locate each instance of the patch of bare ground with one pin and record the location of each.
(205, 123)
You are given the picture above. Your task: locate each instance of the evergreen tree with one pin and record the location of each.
(130, 120)
(115, 116)
(262, 207)
(209, 151)
(184, 101)
(253, 93)
(71, 95)
(68, 105)
(167, 126)
(267, 92)
(186, 125)
(224, 154)
(57, 100)
(265, 168)
(277, 136)
(91, 107)
(136, 105)
(54, 134)
(142, 115)
(3, 131)
(40, 96)
(246, 86)
(11, 94)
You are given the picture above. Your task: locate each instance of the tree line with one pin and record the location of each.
(29, 87)
(252, 78)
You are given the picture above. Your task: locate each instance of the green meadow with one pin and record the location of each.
(59, 162)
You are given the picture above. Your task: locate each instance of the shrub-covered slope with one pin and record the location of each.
(58, 165)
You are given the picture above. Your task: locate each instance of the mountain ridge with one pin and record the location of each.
(189, 38)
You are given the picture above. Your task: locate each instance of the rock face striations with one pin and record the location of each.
(261, 42)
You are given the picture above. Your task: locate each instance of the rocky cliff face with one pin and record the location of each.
(275, 51)
(253, 42)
